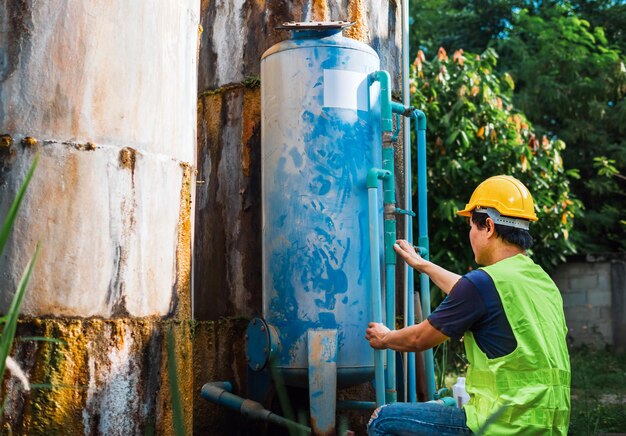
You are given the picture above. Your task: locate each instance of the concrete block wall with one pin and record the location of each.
(593, 292)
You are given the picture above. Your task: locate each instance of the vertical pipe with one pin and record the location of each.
(409, 374)
(423, 242)
(389, 223)
(385, 98)
(390, 262)
(391, 395)
(410, 319)
(372, 196)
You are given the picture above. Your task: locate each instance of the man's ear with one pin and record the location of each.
(490, 227)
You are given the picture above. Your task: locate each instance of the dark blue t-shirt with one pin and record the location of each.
(474, 304)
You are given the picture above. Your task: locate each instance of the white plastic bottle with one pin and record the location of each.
(459, 393)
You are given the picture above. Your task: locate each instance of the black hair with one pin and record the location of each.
(513, 235)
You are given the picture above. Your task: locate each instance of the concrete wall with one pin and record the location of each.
(105, 93)
(594, 292)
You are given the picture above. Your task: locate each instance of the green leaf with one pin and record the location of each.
(40, 339)
(10, 219)
(8, 333)
(178, 417)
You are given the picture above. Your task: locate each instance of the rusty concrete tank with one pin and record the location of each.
(108, 91)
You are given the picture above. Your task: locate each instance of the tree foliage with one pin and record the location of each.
(572, 84)
(474, 132)
(567, 60)
(454, 24)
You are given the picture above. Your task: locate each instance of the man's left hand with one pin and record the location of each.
(375, 334)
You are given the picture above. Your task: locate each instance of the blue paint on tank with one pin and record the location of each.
(316, 151)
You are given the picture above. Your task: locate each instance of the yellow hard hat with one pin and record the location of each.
(505, 194)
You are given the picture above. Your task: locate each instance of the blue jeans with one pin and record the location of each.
(417, 419)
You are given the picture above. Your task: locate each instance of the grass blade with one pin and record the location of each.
(10, 219)
(8, 333)
(40, 339)
(172, 372)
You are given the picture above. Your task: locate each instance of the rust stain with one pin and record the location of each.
(89, 146)
(200, 30)
(5, 141)
(357, 11)
(66, 368)
(319, 10)
(210, 122)
(62, 367)
(204, 6)
(128, 157)
(183, 248)
(184, 357)
(318, 432)
(29, 141)
(250, 122)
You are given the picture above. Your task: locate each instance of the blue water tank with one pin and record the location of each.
(320, 136)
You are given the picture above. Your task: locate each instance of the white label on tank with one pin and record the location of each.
(346, 89)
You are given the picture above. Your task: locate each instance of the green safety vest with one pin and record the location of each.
(527, 391)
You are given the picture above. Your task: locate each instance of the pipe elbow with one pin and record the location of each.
(379, 76)
(385, 97)
(214, 390)
(420, 117)
(375, 174)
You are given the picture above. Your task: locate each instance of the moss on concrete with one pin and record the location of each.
(106, 375)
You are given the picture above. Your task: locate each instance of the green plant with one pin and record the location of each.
(178, 416)
(567, 59)
(572, 84)
(9, 320)
(598, 391)
(475, 132)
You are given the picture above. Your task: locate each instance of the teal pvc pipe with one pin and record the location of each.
(389, 184)
(420, 124)
(356, 405)
(391, 394)
(389, 200)
(410, 385)
(410, 300)
(374, 175)
(423, 242)
(219, 393)
(385, 98)
(376, 290)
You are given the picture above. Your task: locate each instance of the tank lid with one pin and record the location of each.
(314, 25)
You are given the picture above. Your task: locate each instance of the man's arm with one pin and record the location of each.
(444, 279)
(417, 337)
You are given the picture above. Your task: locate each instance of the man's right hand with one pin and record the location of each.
(410, 256)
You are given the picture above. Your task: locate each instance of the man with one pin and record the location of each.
(510, 314)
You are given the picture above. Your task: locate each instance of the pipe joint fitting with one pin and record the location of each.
(421, 119)
(385, 98)
(390, 211)
(375, 174)
(253, 410)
